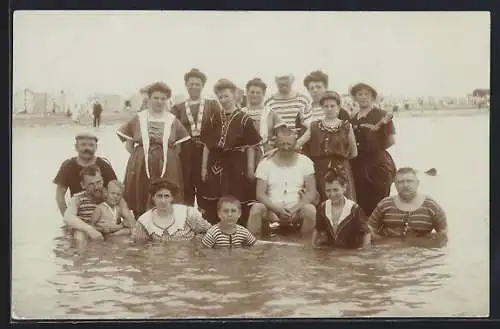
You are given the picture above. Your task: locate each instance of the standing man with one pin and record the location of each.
(97, 111)
(195, 114)
(287, 103)
(68, 175)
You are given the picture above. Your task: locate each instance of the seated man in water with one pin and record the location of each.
(78, 215)
(340, 222)
(227, 233)
(68, 175)
(409, 213)
(108, 217)
(286, 190)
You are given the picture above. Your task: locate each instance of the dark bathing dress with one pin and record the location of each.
(329, 149)
(227, 139)
(373, 169)
(195, 119)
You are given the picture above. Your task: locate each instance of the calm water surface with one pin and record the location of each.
(52, 279)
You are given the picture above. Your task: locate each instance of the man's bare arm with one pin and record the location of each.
(61, 198)
(262, 197)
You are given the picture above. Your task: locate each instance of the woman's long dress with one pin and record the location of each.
(373, 168)
(329, 148)
(227, 141)
(157, 133)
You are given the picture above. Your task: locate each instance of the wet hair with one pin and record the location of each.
(116, 183)
(316, 76)
(332, 177)
(195, 73)
(228, 199)
(222, 84)
(330, 95)
(257, 82)
(406, 170)
(160, 87)
(89, 171)
(163, 184)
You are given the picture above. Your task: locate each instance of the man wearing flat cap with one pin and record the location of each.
(195, 115)
(68, 175)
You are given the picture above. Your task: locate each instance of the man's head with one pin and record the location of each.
(86, 145)
(256, 89)
(229, 209)
(92, 182)
(406, 182)
(286, 140)
(284, 83)
(316, 83)
(195, 81)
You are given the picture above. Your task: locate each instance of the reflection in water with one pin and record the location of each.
(52, 278)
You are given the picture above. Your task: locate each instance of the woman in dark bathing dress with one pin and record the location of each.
(373, 169)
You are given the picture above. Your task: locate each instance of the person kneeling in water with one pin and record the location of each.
(227, 233)
(340, 222)
(108, 217)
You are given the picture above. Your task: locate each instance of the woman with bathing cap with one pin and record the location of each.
(152, 137)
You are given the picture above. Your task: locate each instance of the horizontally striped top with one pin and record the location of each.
(389, 220)
(215, 238)
(85, 206)
(287, 109)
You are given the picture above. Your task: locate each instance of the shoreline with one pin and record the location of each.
(23, 120)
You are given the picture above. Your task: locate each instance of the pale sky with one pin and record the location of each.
(400, 53)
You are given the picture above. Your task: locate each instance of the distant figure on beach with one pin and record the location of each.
(166, 221)
(287, 103)
(78, 215)
(97, 111)
(227, 233)
(195, 114)
(108, 217)
(373, 169)
(409, 213)
(286, 190)
(340, 222)
(68, 175)
(231, 141)
(153, 138)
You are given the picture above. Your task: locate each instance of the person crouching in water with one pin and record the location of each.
(108, 217)
(340, 222)
(227, 233)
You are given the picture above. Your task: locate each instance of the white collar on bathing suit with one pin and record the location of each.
(180, 214)
(346, 211)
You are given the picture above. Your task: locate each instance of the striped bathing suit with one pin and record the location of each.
(86, 206)
(388, 220)
(216, 238)
(287, 109)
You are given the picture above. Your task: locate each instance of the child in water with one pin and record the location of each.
(227, 233)
(107, 217)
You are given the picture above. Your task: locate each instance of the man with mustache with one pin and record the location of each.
(78, 215)
(68, 175)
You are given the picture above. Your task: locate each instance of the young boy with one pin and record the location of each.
(227, 233)
(107, 217)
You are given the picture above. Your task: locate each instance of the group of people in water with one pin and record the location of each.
(286, 165)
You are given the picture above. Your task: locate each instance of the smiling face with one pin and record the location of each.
(334, 190)
(364, 98)
(94, 186)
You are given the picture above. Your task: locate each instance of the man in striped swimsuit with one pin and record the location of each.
(81, 206)
(287, 103)
(408, 214)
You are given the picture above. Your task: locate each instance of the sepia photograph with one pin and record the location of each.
(250, 164)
